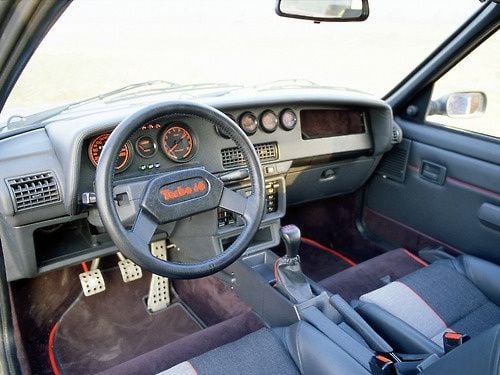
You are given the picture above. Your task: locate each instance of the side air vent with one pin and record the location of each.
(33, 190)
(397, 134)
(232, 157)
(393, 164)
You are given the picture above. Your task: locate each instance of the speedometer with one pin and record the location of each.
(97, 144)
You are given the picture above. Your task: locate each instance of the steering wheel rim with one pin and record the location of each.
(134, 243)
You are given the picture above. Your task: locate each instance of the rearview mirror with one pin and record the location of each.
(459, 105)
(324, 10)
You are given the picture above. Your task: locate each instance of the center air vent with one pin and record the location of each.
(233, 157)
(34, 190)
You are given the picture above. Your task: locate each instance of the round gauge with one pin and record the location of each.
(268, 121)
(145, 146)
(177, 142)
(97, 144)
(249, 123)
(288, 119)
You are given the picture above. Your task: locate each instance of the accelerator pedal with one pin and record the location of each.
(159, 291)
(92, 280)
(129, 270)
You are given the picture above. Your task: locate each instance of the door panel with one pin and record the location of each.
(453, 202)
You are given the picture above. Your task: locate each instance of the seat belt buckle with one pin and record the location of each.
(381, 365)
(451, 340)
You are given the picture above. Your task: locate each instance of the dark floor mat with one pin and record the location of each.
(210, 299)
(332, 222)
(318, 264)
(39, 303)
(367, 276)
(106, 329)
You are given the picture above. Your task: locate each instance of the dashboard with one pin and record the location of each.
(312, 144)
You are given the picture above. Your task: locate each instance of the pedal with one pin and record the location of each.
(92, 281)
(129, 270)
(159, 294)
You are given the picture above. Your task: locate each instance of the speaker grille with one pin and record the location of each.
(393, 164)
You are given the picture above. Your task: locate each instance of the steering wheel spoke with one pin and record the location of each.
(144, 228)
(233, 201)
(179, 194)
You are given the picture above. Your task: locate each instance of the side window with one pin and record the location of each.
(478, 73)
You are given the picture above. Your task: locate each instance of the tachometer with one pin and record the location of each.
(97, 144)
(177, 142)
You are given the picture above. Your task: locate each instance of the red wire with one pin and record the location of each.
(52, 358)
(85, 267)
(327, 249)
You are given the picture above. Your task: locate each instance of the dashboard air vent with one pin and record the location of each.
(232, 157)
(393, 165)
(33, 190)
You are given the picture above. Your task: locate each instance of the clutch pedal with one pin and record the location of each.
(129, 270)
(92, 280)
(159, 293)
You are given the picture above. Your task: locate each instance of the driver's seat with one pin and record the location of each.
(304, 350)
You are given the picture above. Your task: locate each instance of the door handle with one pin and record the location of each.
(433, 172)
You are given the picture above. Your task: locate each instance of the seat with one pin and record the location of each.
(412, 313)
(309, 352)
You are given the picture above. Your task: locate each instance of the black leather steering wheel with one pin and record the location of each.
(203, 192)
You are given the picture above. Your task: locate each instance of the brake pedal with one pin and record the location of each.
(159, 294)
(129, 270)
(92, 280)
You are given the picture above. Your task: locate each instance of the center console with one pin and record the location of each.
(283, 296)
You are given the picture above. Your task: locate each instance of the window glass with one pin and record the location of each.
(479, 71)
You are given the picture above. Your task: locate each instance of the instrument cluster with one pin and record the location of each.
(151, 142)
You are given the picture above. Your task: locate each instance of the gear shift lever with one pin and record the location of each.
(290, 235)
(290, 280)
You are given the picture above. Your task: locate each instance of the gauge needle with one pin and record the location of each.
(176, 143)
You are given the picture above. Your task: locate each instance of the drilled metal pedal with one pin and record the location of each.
(92, 282)
(129, 270)
(159, 294)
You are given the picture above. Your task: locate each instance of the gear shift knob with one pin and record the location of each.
(290, 234)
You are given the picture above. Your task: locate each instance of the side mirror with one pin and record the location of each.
(460, 105)
(324, 10)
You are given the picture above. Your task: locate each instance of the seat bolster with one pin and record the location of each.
(314, 353)
(483, 274)
(403, 337)
(479, 355)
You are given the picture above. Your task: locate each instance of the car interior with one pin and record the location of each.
(292, 230)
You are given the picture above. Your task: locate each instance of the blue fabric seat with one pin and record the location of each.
(412, 313)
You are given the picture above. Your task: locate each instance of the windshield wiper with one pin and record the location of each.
(135, 90)
(178, 88)
(21, 121)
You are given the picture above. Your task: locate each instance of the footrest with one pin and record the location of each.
(159, 293)
(129, 270)
(92, 282)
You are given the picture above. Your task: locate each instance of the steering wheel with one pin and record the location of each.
(162, 203)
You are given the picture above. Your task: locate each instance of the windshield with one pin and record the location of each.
(99, 46)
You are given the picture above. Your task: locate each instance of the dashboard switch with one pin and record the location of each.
(89, 198)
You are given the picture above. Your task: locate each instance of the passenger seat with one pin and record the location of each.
(458, 295)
